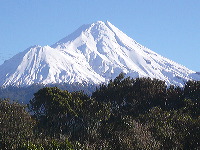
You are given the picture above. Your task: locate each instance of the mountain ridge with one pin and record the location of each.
(94, 53)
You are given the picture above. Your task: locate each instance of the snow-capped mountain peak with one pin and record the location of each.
(94, 53)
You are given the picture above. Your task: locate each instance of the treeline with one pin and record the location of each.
(126, 113)
(25, 93)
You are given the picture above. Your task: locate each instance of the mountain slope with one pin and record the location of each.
(44, 65)
(94, 53)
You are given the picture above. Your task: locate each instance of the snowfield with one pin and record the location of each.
(94, 53)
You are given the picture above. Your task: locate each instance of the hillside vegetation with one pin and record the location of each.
(126, 113)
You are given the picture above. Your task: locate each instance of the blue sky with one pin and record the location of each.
(168, 27)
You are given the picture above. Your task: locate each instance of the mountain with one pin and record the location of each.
(94, 53)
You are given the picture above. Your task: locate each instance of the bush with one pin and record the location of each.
(15, 123)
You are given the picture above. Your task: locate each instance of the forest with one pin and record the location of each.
(126, 113)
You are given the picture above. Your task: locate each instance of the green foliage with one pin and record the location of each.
(174, 98)
(174, 129)
(15, 124)
(55, 110)
(132, 96)
(49, 145)
(126, 113)
(192, 97)
(192, 90)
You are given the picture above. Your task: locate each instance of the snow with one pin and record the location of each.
(94, 53)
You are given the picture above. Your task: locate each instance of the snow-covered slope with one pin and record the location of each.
(94, 53)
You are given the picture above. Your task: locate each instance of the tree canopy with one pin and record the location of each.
(126, 113)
